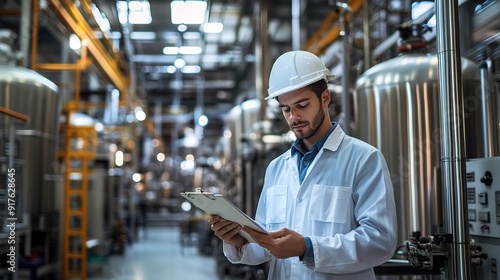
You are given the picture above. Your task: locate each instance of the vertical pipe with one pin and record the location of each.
(12, 133)
(344, 9)
(366, 35)
(486, 110)
(199, 108)
(457, 265)
(24, 34)
(261, 10)
(262, 68)
(296, 25)
(158, 116)
(34, 34)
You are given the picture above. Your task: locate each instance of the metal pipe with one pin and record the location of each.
(346, 61)
(366, 35)
(457, 265)
(262, 59)
(24, 34)
(296, 25)
(486, 110)
(262, 70)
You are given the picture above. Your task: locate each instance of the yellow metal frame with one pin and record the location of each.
(79, 141)
(326, 33)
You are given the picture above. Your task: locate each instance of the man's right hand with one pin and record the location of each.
(227, 231)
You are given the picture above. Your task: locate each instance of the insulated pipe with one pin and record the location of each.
(485, 110)
(457, 265)
(346, 61)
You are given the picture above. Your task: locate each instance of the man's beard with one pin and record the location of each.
(317, 121)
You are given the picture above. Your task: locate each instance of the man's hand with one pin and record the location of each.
(283, 243)
(227, 231)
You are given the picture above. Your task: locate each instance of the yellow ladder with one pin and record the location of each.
(79, 149)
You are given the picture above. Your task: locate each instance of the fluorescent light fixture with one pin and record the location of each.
(171, 50)
(191, 69)
(142, 35)
(188, 12)
(138, 12)
(213, 27)
(190, 50)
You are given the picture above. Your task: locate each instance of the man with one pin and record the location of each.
(327, 203)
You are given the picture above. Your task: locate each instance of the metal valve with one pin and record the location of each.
(427, 252)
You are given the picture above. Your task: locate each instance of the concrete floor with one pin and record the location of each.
(157, 255)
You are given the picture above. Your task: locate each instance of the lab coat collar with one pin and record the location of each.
(335, 138)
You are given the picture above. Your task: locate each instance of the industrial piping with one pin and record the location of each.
(457, 264)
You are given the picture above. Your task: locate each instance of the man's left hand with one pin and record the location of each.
(283, 243)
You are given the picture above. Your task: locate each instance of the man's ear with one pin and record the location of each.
(325, 97)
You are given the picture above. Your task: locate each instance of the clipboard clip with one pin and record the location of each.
(200, 191)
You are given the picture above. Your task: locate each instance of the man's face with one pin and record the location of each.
(303, 112)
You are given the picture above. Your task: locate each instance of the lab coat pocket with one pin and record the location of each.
(276, 204)
(329, 203)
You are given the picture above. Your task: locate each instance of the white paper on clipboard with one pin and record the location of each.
(217, 204)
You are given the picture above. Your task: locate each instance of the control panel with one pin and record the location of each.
(483, 196)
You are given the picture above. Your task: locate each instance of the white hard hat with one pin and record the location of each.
(294, 70)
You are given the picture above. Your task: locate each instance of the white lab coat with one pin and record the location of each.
(345, 205)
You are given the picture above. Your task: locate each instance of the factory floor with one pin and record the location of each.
(157, 254)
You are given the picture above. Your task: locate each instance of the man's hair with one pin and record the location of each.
(318, 87)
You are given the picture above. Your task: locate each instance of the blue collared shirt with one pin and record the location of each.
(305, 158)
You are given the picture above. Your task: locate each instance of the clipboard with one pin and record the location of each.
(217, 204)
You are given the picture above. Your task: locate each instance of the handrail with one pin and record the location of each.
(14, 114)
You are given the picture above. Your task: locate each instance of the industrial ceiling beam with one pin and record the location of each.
(105, 61)
(326, 33)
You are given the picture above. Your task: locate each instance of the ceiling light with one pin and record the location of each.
(188, 12)
(190, 50)
(179, 63)
(191, 69)
(203, 120)
(171, 50)
(142, 35)
(171, 69)
(137, 12)
(213, 27)
(74, 42)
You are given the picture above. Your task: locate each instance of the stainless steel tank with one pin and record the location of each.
(396, 109)
(27, 92)
(238, 152)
